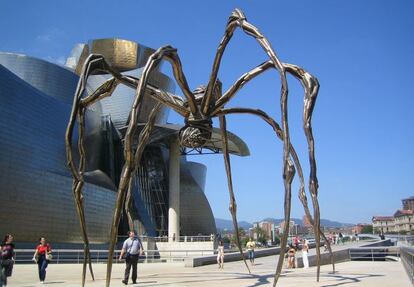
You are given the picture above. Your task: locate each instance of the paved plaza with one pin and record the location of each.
(234, 274)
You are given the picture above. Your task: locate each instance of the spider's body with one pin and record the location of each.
(198, 126)
(198, 108)
(196, 133)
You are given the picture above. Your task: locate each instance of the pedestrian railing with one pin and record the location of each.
(374, 253)
(198, 238)
(61, 256)
(402, 240)
(407, 258)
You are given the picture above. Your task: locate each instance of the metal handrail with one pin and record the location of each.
(373, 253)
(407, 258)
(197, 238)
(101, 255)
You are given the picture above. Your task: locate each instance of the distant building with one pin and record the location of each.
(383, 224)
(292, 227)
(358, 228)
(408, 203)
(268, 229)
(403, 220)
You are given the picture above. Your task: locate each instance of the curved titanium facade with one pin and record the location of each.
(196, 216)
(35, 186)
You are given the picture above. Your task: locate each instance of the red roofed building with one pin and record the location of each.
(383, 224)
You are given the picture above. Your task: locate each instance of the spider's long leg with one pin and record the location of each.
(293, 153)
(98, 63)
(91, 64)
(128, 203)
(78, 191)
(238, 19)
(311, 86)
(132, 159)
(171, 55)
(244, 79)
(125, 181)
(173, 101)
(233, 205)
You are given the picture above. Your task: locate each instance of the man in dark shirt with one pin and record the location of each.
(7, 254)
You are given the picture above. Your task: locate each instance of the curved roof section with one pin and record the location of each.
(51, 79)
(164, 132)
(123, 55)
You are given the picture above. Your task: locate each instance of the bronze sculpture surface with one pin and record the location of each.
(198, 108)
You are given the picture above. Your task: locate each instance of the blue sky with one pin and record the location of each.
(361, 51)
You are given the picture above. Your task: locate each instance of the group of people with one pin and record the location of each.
(297, 245)
(131, 249)
(42, 256)
(336, 238)
(250, 246)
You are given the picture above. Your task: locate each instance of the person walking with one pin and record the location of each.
(7, 254)
(335, 238)
(251, 245)
(341, 238)
(220, 255)
(132, 248)
(42, 257)
(305, 249)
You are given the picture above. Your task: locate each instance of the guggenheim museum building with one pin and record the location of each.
(35, 184)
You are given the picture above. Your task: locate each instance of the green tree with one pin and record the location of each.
(261, 235)
(243, 237)
(277, 240)
(367, 229)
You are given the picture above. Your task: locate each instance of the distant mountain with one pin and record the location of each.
(329, 223)
(228, 224)
(278, 221)
(324, 222)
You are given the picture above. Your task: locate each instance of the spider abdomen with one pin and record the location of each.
(195, 135)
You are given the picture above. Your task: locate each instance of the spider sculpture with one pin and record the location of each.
(198, 108)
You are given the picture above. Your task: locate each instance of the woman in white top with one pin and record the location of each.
(220, 255)
(305, 249)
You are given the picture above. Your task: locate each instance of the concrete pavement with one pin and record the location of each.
(368, 274)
